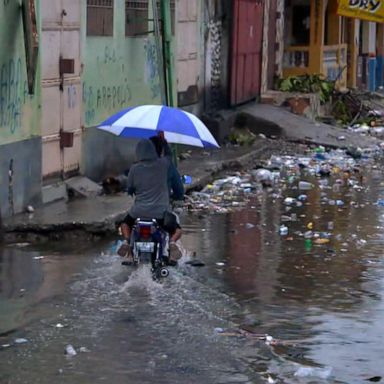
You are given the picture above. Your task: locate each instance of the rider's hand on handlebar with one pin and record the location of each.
(161, 135)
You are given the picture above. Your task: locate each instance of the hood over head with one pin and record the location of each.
(145, 150)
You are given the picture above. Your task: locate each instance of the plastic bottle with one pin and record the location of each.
(283, 230)
(305, 186)
(308, 235)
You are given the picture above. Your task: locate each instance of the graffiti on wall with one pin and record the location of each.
(72, 96)
(110, 81)
(152, 74)
(106, 95)
(13, 94)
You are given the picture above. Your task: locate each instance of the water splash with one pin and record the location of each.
(141, 278)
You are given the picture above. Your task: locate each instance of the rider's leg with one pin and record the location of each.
(172, 226)
(125, 249)
(126, 231)
(176, 235)
(174, 250)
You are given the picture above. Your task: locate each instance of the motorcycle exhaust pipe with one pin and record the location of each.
(164, 272)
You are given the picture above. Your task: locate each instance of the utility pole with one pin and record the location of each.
(165, 8)
(168, 56)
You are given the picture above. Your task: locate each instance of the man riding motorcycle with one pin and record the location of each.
(148, 182)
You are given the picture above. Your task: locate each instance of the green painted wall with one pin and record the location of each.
(19, 112)
(119, 71)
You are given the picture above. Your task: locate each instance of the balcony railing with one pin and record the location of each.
(335, 63)
(297, 58)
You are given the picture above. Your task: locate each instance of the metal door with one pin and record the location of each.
(61, 87)
(187, 52)
(246, 50)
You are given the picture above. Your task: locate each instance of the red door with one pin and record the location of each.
(246, 50)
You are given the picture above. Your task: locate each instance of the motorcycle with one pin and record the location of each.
(149, 244)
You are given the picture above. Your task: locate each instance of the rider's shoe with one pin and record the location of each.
(174, 252)
(124, 249)
(172, 263)
(169, 262)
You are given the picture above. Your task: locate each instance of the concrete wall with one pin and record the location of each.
(19, 112)
(118, 72)
(20, 116)
(23, 188)
(106, 155)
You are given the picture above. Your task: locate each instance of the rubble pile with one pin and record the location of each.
(360, 112)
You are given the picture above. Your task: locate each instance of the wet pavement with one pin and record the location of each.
(303, 305)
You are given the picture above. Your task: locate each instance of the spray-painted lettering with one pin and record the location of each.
(13, 94)
(72, 96)
(152, 68)
(105, 97)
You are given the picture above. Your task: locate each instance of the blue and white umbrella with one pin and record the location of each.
(179, 127)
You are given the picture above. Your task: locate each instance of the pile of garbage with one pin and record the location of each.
(223, 195)
(324, 178)
(279, 173)
(368, 130)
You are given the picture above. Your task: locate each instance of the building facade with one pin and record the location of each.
(319, 40)
(20, 114)
(96, 57)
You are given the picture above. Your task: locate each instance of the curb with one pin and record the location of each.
(106, 226)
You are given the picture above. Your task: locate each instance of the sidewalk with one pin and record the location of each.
(96, 216)
(299, 128)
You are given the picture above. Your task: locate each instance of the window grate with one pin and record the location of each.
(138, 5)
(136, 18)
(173, 13)
(100, 3)
(100, 17)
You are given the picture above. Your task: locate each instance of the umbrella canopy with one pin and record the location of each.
(144, 121)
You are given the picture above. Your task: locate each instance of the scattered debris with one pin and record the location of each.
(375, 379)
(70, 351)
(320, 373)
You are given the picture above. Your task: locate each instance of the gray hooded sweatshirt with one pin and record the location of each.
(148, 181)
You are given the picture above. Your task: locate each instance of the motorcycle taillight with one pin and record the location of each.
(145, 231)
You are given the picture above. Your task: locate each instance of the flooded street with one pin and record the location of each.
(268, 306)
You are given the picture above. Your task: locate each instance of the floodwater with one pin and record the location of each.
(322, 304)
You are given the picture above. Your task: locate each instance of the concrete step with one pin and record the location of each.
(81, 186)
(54, 192)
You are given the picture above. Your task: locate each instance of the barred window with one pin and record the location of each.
(136, 18)
(100, 17)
